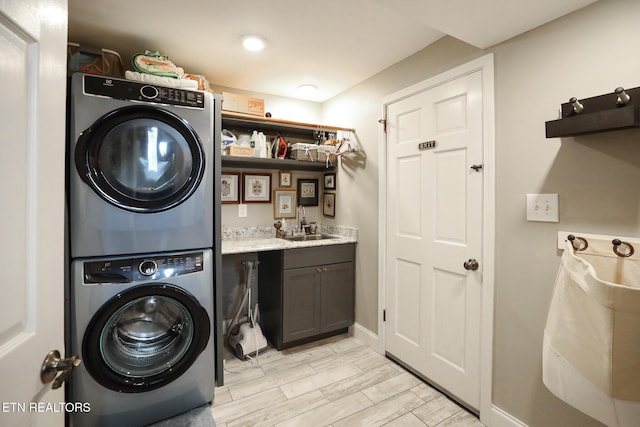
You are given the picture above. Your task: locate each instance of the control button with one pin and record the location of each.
(148, 267)
(149, 92)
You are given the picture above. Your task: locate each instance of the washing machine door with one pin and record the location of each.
(141, 158)
(145, 337)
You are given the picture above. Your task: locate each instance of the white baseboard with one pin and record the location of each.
(363, 334)
(500, 418)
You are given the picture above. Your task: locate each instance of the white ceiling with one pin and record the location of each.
(332, 44)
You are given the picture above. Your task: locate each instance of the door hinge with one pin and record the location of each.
(384, 125)
(384, 315)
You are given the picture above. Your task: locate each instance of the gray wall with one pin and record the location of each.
(587, 53)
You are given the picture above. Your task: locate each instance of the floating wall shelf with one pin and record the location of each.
(292, 131)
(599, 114)
(282, 164)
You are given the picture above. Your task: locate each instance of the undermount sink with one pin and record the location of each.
(308, 237)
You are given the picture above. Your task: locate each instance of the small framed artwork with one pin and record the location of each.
(329, 204)
(256, 188)
(285, 179)
(230, 187)
(285, 204)
(308, 192)
(329, 181)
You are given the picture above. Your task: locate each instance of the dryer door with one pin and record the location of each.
(145, 337)
(141, 158)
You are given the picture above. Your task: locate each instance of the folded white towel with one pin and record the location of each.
(161, 81)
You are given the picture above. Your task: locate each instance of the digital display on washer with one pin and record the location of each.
(126, 270)
(131, 90)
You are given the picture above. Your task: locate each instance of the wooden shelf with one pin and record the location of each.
(292, 131)
(269, 123)
(601, 114)
(282, 164)
(621, 118)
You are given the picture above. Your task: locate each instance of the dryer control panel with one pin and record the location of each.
(137, 91)
(128, 270)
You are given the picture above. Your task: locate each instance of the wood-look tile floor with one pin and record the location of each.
(337, 382)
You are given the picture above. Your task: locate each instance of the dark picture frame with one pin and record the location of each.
(256, 188)
(308, 192)
(230, 186)
(329, 204)
(329, 181)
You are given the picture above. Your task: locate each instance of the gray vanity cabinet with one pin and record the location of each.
(307, 293)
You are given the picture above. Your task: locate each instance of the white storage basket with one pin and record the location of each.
(300, 151)
(591, 348)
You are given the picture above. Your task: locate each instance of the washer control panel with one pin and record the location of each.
(128, 270)
(138, 91)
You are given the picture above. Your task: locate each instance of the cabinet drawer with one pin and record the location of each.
(307, 257)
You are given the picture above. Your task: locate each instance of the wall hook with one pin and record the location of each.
(577, 106)
(623, 97)
(621, 248)
(578, 243)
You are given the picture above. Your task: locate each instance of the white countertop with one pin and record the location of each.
(257, 244)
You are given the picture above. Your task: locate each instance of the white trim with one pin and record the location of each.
(500, 418)
(363, 334)
(485, 65)
(382, 228)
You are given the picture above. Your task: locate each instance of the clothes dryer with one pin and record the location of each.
(144, 331)
(141, 167)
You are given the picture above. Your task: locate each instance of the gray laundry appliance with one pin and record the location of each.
(143, 327)
(140, 167)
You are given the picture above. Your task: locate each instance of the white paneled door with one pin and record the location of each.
(434, 234)
(33, 38)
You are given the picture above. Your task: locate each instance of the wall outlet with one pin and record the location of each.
(242, 211)
(542, 207)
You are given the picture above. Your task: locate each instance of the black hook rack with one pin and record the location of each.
(617, 110)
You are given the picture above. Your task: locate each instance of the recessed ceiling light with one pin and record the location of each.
(253, 43)
(307, 90)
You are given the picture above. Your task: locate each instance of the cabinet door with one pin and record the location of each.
(337, 296)
(300, 304)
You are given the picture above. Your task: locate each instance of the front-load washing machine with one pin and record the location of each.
(143, 328)
(141, 167)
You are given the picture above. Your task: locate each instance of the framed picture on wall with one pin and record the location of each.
(329, 204)
(285, 179)
(308, 192)
(285, 204)
(230, 187)
(329, 181)
(256, 188)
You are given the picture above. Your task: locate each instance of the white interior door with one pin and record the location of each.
(33, 41)
(434, 231)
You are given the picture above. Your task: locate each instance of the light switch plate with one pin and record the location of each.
(542, 207)
(242, 211)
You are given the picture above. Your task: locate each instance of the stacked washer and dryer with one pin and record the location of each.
(142, 207)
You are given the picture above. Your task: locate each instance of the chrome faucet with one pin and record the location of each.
(301, 214)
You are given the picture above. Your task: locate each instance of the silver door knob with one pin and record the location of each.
(471, 264)
(53, 364)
